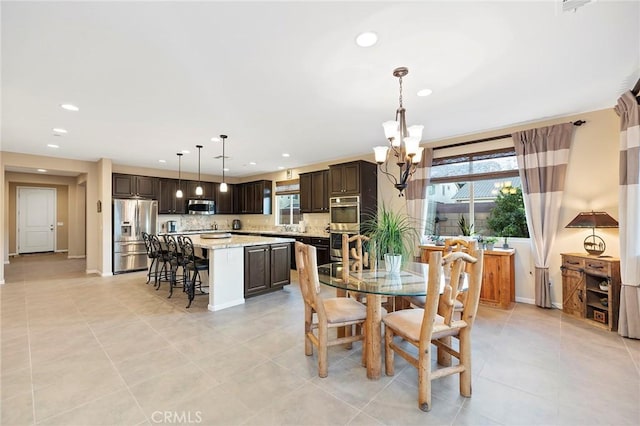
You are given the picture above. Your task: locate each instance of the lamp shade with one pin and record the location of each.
(380, 153)
(593, 220)
(390, 129)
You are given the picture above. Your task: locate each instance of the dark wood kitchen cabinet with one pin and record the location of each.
(128, 186)
(225, 202)
(314, 192)
(354, 178)
(207, 188)
(167, 201)
(255, 197)
(322, 249)
(266, 268)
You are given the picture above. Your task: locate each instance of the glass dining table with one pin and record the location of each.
(375, 283)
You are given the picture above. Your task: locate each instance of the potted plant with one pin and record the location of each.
(392, 234)
(490, 242)
(465, 228)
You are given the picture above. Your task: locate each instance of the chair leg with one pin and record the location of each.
(308, 318)
(424, 379)
(444, 358)
(389, 368)
(465, 360)
(153, 259)
(348, 332)
(323, 370)
(173, 281)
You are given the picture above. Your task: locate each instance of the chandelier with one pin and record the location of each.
(404, 144)
(179, 191)
(199, 190)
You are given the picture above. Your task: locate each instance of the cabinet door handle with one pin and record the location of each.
(572, 263)
(596, 266)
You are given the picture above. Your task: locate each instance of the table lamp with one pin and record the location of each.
(593, 244)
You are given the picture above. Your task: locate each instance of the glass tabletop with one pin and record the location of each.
(411, 281)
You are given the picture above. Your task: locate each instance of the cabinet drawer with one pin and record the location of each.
(597, 267)
(319, 241)
(572, 262)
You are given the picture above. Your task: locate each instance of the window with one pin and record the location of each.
(463, 192)
(288, 202)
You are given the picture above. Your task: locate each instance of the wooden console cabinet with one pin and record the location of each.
(498, 276)
(582, 294)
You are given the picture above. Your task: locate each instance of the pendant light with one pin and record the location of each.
(179, 191)
(223, 185)
(199, 190)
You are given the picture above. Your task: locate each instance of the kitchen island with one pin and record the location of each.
(243, 265)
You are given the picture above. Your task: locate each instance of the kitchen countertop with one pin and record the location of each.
(236, 241)
(249, 232)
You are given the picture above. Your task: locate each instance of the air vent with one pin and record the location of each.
(572, 5)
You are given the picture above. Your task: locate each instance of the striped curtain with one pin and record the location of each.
(417, 192)
(629, 112)
(543, 155)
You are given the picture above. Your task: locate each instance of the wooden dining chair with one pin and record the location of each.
(424, 327)
(329, 312)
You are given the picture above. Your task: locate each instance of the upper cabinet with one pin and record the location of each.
(314, 192)
(255, 197)
(207, 190)
(167, 201)
(225, 200)
(128, 186)
(353, 178)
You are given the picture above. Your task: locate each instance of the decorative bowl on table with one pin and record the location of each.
(604, 286)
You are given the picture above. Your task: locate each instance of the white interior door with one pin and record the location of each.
(36, 219)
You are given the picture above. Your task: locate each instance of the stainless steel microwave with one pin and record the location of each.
(198, 206)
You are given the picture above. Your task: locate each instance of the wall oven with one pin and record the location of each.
(345, 214)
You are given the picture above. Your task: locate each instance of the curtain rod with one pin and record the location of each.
(493, 138)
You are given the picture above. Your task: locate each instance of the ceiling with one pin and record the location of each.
(155, 78)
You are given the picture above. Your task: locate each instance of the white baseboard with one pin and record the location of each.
(6, 262)
(221, 306)
(1, 282)
(80, 256)
(13, 254)
(533, 302)
(61, 251)
(106, 274)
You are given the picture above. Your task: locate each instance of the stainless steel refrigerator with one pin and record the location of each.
(130, 219)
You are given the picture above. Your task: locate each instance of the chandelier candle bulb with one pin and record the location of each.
(418, 157)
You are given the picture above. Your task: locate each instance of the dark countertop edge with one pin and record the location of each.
(247, 232)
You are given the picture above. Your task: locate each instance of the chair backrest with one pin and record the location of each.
(156, 246)
(431, 301)
(355, 257)
(172, 246)
(454, 265)
(457, 244)
(187, 249)
(306, 265)
(147, 244)
(474, 275)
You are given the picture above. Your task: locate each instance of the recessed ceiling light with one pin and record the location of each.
(280, 168)
(367, 39)
(59, 130)
(52, 145)
(425, 92)
(69, 107)
(285, 155)
(215, 139)
(185, 151)
(42, 170)
(162, 161)
(252, 163)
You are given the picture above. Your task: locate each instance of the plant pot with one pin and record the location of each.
(489, 246)
(392, 263)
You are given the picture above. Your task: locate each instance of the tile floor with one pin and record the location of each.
(85, 350)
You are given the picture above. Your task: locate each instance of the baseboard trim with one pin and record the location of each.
(81, 256)
(1, 282)
(61, 251)
(533, 302)
(106, 274)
